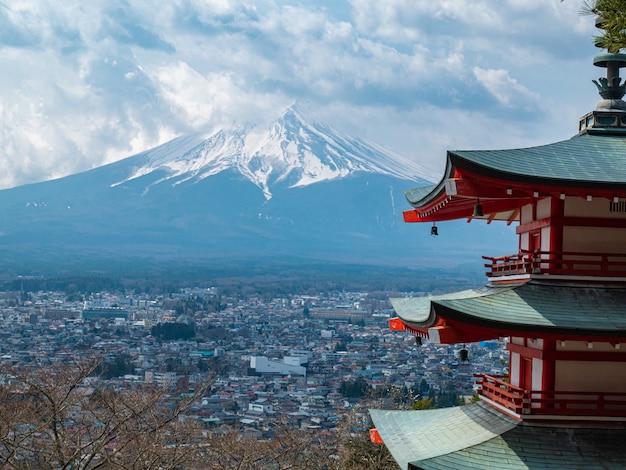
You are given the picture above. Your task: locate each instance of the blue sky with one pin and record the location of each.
(85, 83)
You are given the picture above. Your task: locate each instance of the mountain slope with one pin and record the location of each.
(292, 153)
(298, 189)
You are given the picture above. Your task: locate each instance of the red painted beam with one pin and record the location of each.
(375, 437)
(395, 324)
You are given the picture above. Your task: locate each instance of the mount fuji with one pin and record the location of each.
(296, 189)
(292, 153)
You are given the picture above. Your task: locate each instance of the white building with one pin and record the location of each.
(263, 365)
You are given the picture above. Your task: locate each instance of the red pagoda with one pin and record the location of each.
(560, 303)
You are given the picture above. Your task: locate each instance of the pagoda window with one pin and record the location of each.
(618, 206)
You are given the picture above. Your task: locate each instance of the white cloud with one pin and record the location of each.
(505, 89)
(86, 83)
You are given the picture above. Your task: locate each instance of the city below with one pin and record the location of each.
(302, 359)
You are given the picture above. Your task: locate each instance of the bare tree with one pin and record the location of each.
(54, 418)
(288, 448)
(346, 448)
(62, 417)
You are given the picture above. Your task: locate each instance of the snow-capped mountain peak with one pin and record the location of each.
(288, 192)
(292, 152)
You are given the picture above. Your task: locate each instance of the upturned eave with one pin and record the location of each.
(548, 310)
(501, 194)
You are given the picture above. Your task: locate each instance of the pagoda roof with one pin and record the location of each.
(478, 436)
(585, 159)
(590, 163)
(541, 307)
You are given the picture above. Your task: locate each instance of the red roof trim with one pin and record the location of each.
(375, 437)
(396, 324)
(447, 331)
(456, 197)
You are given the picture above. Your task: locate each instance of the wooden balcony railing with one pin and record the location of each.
(550, 403)
(564, 263)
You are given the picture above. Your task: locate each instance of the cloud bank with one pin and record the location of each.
(87, 83)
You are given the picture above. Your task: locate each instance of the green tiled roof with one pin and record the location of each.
(421, 435)
(585, 158)
(531, 306)
(539, 448)
(418, 193)
(476, 436)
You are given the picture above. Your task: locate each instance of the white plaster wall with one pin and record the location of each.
(514, 365)
(598, 207)
(526, 214)
(595, 347)
(524, 241)
(545, 239)
(589, 239)
(544, 208)
(590, 376)
(537, 374)
(594, 240)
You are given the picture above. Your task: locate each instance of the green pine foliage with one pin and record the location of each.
(612, 20)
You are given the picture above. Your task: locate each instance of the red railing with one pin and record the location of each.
(519, 263)
(548, 403)
(567, 263)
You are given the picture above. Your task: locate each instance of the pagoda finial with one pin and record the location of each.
(609, 18)
(610, 88)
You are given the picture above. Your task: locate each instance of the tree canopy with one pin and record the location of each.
(612, 20)
(58, 417)
(172, 331)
